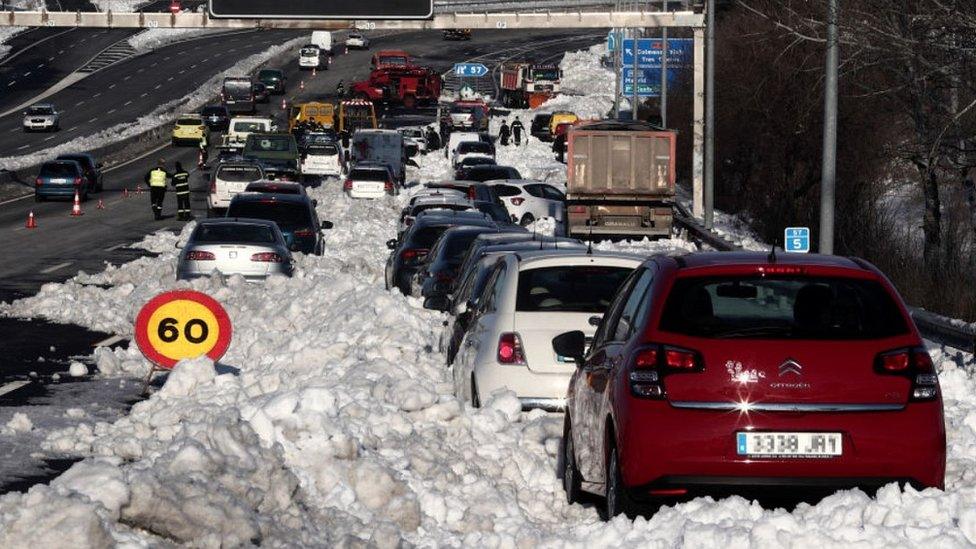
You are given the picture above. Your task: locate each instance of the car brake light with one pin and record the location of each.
(77, 181)
(653, 362)
(388, 186)
(471, 193)
(38, 181)
(577, 209)
(303, 233)
(517, 201)
(408, 222)
(414, 255)
(765, 270)
(510, 349)
(200, 256)
(347, 185)
(915, 364)
(213, 186)
(267, 257)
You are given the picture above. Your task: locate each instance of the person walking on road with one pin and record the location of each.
(341, 90)
(203, 156)
(181, 182)
(433, 140)
(156, 179)
(503, 134)
(517, 129)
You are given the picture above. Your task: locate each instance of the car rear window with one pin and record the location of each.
(188, 122)
(507, 190)
(782, 308)
(57, 169)
(270, 143)
(425, 237)
(238, 174)
(214, 111)
(455, 248)
(321, 150)
(39, 111)
(578, 289)
(236, 232)
(359, 174)
(454, 207)
(248, 127)
(285, 214)
(272, 188)
(475, 147)
(487, 173)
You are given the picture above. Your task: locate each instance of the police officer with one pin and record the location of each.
(503, 134)
(341, 90)
(156, 179)
(517, 129)
(181, 182)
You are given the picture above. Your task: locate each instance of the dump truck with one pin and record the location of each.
(528, 85)
(315, 112)
(620, 180)
(355, 114)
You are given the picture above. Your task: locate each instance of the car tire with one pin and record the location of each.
(527, 220)
(616, 499)
(572, 480)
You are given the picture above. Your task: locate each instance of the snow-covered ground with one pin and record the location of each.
(151, 39)
(331, 422)
(163, 114)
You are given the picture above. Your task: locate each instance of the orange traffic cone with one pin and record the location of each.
(330, 59)
(138, 189)
(301, 85)
(101, 205)
(31, 223)
(284, 104)
(76, 208)
(346, 50)
(125, 192)
(313, 72)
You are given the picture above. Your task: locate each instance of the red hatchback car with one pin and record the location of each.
(721, 371)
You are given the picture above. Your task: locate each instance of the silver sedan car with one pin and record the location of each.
(43, 117)
(252, 248)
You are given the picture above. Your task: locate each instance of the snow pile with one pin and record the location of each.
(584, 74)
(163, 114)
(119, 6)
(331, 422)
(151, 39)
(6, 33)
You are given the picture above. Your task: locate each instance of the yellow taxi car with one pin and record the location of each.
(561, 117)
(190, 130)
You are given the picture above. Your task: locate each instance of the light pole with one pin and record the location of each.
(708, 194)
(829, 167)
(664, 72)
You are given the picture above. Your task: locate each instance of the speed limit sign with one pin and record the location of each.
(182, 324)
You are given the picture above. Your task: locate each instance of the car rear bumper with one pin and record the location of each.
(903, 445)
(534, 389)
(48, 191)
(366, 194)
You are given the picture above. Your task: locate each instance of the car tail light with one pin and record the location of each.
(38, 181)
(303, 233)
(267, 257)
(915, 364)
(653, 362)
(77, 181)
(347, 185)
(577, 209)
(213, 186)
(472, 193)
(196, 255)
(779, 270)
(517, 201)
(408, 222)
(510, 349)
(414, 255)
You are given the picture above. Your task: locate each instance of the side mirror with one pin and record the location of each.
(595, 320)
(571, 345)
(327, 224)
(391, 244)
(437, 303)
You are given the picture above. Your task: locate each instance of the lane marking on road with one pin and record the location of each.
(166, 58)
(111, 86)
(127, 103)
(71, 129)
(19, 198)
(60, 52)
(49, 59)
(41, 66)
(22, 147)
(92, 120)
(109, 341)
(53, 268)
(13, 386)
(27, 73)
(12, 82)
(182, 71)
(96, 95)
(110, 111)
(35, 44)
(112, 249)
(157, 86)
(154, 64)
(49, 138)
(170, 79)
(144, 94)
(140, 157)
(128, 76)
(80, 103)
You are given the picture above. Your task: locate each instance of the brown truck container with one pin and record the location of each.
(620, 180)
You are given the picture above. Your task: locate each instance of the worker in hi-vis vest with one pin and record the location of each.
(181, 182)
(156, 179)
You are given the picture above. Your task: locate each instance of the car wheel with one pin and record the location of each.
(527, 220)
(617, 501)
(572, 480)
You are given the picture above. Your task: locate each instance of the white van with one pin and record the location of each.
(323, 39)
(229, 179)
(310, 57)
(242, 126)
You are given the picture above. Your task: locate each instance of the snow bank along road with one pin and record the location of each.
(331, 422)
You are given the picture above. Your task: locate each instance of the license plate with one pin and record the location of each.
(238, 187)
(799, 445)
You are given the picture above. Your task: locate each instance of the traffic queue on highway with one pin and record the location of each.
(675, 375)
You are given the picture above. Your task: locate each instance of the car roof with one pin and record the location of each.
(275, 197)
(239, 164)
(720, 259)
(235, 220)
(62, 161)
(371, 165)
(51, 105)
(516, 182)
(572, 256)
(452, 183)
(453, 218)
(442, 199)
(480, 167)
(524, 235)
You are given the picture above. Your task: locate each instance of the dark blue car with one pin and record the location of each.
(61, 179)
(294, 214)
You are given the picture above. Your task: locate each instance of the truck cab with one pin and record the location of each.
(390, 59)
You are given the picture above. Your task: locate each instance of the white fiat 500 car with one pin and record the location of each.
(528, 200)
(530, 298)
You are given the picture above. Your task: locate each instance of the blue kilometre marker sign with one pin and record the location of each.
(796, 240)
(470, 69)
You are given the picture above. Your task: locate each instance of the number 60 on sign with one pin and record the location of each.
(182, 324)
